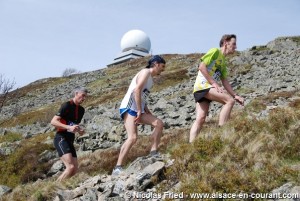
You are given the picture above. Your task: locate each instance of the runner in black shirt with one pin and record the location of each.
(67, 123)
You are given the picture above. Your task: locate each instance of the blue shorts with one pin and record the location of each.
(124, 110)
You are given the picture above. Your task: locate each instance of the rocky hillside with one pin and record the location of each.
(259, 71)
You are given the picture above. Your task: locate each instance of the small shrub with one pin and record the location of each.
(6, 86)
(69, 71)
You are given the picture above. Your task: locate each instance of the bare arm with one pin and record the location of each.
(229, 89)
(203, 70)
(141, 81)
(56, 122)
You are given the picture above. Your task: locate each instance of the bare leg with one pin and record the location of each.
(132, 132)
(131, 129)
(226, 100)
(201, 113)
(158, 125)
(71, 166)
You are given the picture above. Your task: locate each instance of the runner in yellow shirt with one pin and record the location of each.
(213, 67)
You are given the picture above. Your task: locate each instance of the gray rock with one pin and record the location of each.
(47, 156)
(119, 187)
(154, 169)
(139, 164)
(90, 195)
(4, 190)
(283, 189)
(70, 194)
(56, 167)
(7, 150)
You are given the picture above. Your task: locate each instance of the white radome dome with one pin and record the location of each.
(135, 39)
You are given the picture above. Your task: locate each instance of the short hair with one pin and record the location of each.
(226, 37)
(155, 58)
(80, 89)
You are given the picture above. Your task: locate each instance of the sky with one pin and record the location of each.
(41, 38)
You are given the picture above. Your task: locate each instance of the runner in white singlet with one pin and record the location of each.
(134, 110)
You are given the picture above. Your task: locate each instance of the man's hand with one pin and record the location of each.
(74, 128)
(81, 131)
(239, 99)
(138, 118)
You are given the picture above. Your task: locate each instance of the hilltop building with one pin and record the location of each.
(134, 44)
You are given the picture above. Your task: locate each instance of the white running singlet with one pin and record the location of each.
(128, 101)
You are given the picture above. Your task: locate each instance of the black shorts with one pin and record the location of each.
(64, 144)
(199, 96)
